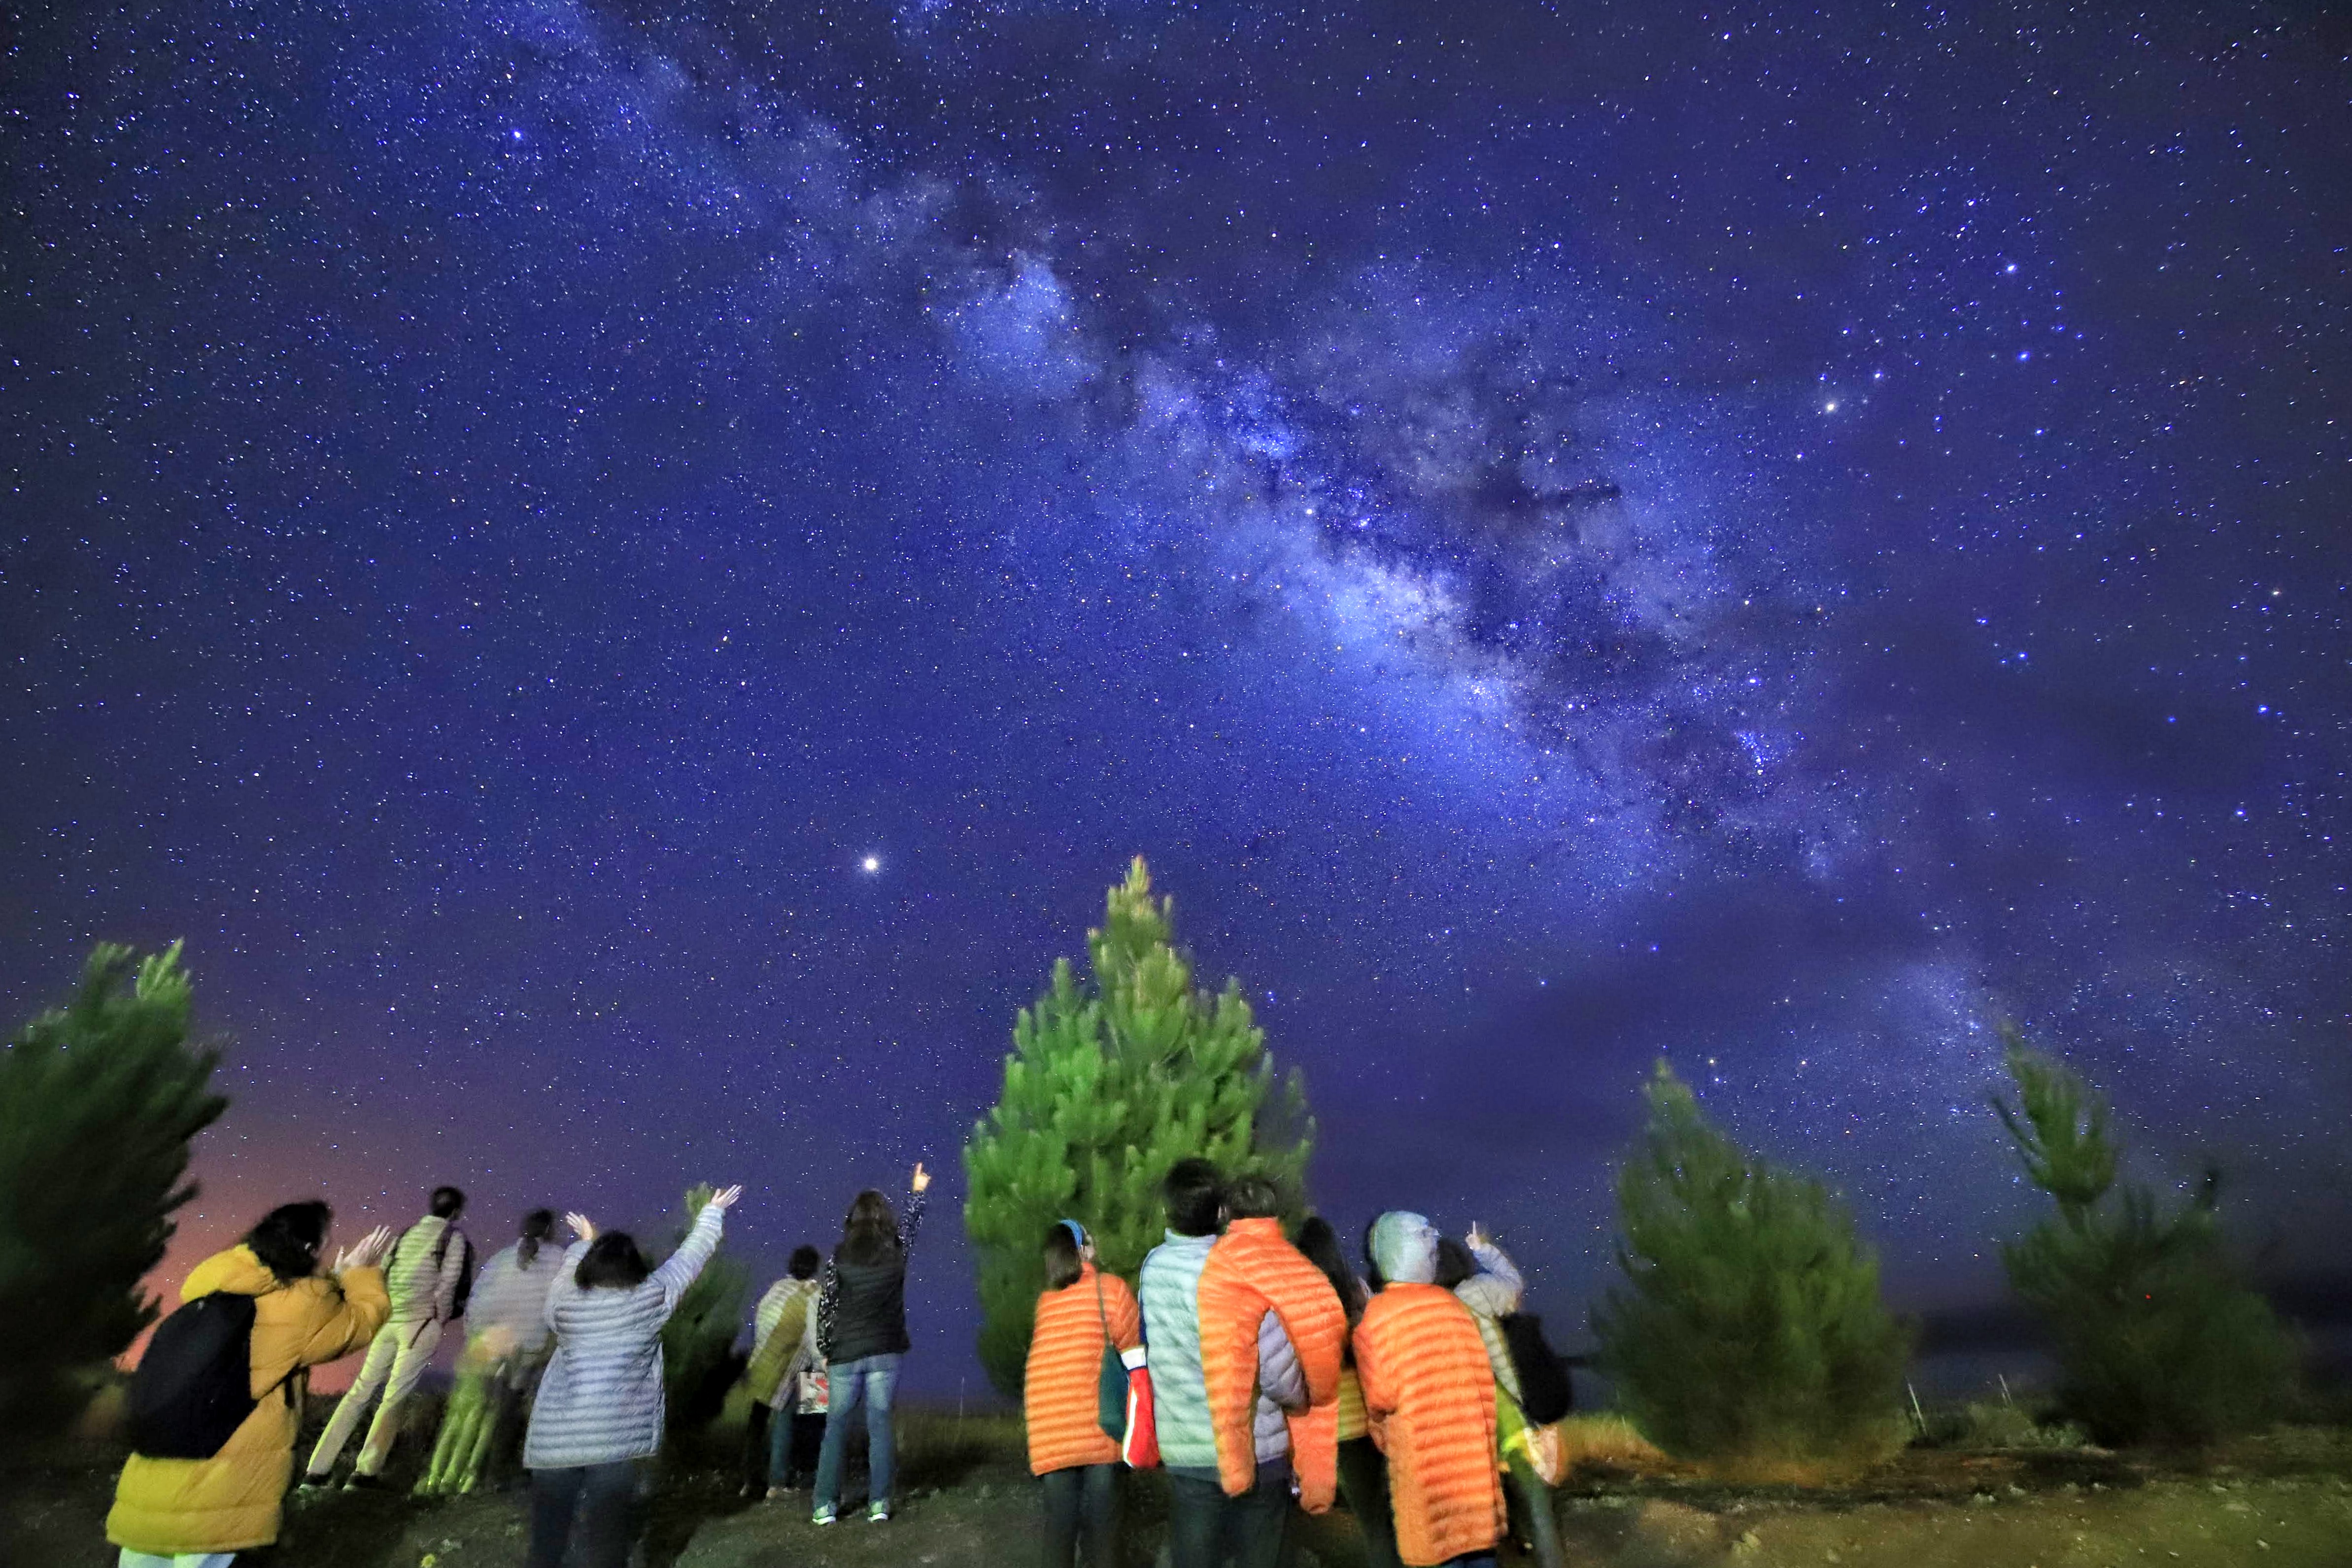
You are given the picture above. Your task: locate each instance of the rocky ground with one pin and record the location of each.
(2283, 1500)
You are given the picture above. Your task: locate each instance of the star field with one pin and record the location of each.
(626, 574)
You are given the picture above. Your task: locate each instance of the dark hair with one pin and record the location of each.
(1320, 1243)
(536, 1226)
(612, 1260)
(1455, 1263)
(447, 1202)
(1252, 1197)
(1372, 1280)
(1063, 1263)
(288, 1238)
(805, 1259)
(1192, 1192)
(869, 1232)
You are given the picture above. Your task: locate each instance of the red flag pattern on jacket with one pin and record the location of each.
(1251, 1271)
(1431, 1397)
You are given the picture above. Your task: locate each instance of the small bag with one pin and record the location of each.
(816, 1392)
(1111, 1379)
(1141, 1448)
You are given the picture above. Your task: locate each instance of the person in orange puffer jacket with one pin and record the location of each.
(1429, 1393)
(1251, 1272)
(1080, 1312)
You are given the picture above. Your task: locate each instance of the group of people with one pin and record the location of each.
(1279, 1377)
(576, 1337)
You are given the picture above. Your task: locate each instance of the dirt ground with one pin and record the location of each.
(2283, 1500)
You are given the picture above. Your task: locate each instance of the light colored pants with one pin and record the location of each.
(396, 1358)
(184, 1560)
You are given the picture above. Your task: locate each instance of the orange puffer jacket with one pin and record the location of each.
(1251, 1271)
(1431, 1397)
(1060, 1394)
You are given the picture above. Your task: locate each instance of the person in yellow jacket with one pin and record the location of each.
(201, 1512)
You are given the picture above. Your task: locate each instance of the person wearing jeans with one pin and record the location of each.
(861, 1335)
(1082, 1314)
(601, 1407)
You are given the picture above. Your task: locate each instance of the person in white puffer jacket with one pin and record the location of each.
(601, 1406)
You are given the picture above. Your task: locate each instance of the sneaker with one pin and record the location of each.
(823, 1514)
(313, 1489)
(877, 1513)
(362, 1482)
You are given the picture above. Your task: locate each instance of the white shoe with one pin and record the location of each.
(877, 1513)
(824, 1515)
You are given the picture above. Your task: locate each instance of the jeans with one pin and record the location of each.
(1081, 1505)
(1364, 1483)
(870, 1380)
(1205, 1527)
(396, 1358)
(794, 1441)
(603, 1499)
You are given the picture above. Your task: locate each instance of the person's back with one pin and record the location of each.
(1254, 1277)
(1168, 1286)
(511, 1298)
(429, 1270)
(1431, 1398)
(601, 1400)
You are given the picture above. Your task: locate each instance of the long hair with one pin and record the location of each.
(869, 1232)
(1320, 1243)
(1454, 1264)
(1065, 1263)
(288, 1238)
(612, 1260)
(536, 1226)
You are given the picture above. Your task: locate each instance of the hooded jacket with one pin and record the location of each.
(1431, 1398)
(1251, 1272)
(1061, 1391)
(230, 1501)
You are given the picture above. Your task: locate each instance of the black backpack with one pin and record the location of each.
(194, 1387)
(1546, 1393)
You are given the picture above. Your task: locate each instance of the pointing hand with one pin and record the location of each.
(922, 1181)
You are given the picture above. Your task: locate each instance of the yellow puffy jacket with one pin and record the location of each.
(230, 1502)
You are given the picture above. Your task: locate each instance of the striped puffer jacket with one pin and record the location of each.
(1171, 1290)
(1061, 1393)
(1431, 1397)
(1253, 1271)
(601, 1399)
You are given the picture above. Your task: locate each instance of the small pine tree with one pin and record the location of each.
(2158, 1340)
(1108, 1087)
(698, 1358)
(1750, 1332)
(99, 1101)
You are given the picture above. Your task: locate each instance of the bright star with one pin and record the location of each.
(871, 864)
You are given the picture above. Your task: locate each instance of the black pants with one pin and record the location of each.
(1205, 1527)
(755, 1450)
(600, 1499)
(807, 1443)
(1364, 1483)
(1081, 1510)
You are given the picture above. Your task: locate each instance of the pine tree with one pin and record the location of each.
(1750, 1332)
(1109, 1085)
(2157, 1340)
(99, 1101)
(699, 1359)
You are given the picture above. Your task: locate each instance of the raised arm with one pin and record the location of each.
(675, 1275)
(1496, 1290)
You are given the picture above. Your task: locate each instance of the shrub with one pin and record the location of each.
(1750, 1334)
(699, 1359)
(99, 1101)
(2158, 1340)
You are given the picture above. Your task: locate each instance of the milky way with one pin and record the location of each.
(1566, 536)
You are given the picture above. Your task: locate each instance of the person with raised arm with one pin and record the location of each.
(861, 1336)
(601, 1407)
(207, 1507)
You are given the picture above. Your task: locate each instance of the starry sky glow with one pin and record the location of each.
(626, 574)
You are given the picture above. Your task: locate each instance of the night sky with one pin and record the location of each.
(1566, 534)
